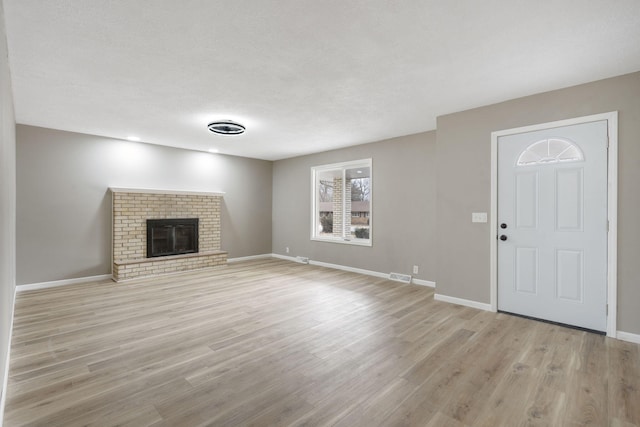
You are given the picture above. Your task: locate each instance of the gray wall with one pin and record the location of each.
(7, 203)
(403, 226)
(463, 175)
(64, 206)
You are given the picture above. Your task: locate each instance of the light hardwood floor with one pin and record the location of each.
(270, 342)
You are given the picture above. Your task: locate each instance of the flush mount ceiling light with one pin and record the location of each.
(226, 128)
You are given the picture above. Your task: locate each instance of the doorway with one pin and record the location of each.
(553, 221)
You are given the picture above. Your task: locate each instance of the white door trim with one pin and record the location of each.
(612, 208)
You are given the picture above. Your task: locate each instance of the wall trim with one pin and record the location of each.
(350, 269)
(249, 258)
(628, 336)
(423, 282)
(5, 382)
(612, 208)
(285, 257)
(55, 283)
(462, 301)
(419, 282)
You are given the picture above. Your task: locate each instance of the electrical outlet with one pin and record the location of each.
(415, 269)
(287, 249)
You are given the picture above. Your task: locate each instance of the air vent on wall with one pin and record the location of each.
(398, 277)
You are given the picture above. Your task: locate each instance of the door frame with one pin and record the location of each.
(612, 207)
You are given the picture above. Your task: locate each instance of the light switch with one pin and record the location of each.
(479, 217)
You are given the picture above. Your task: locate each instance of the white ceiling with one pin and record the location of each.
(302, 75)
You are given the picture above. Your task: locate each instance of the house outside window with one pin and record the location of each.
(342, 200)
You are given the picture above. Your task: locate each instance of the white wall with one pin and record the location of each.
(7, 204)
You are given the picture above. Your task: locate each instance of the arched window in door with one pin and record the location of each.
(552, 150)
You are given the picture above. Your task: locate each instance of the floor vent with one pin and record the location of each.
(302, 259)
(404, 278)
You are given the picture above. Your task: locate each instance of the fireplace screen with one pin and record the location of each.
(172, 236)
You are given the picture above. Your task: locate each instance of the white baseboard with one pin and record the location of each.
(353, 270)
(285, 257)
(461, 301)
(350, 269)
(368, 272)
(423, 282)
(627, 336)
(623, 336)
(249, 258)
(5, 382)
(53, 284)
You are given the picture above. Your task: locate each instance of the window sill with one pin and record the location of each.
(342, 241)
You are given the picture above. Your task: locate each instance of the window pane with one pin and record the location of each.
(358, 203)
(342, 202)
(325, 185)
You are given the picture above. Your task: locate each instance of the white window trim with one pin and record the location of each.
(314, 201)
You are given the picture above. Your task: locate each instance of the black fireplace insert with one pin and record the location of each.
(172, 236)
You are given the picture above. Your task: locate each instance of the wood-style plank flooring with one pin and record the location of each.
(271, 342)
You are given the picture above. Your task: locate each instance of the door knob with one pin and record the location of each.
(503, 237)
(503, 225)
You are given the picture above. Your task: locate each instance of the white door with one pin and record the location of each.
(552, 224)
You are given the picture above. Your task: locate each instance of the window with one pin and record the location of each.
(341, 198)
(552, 150)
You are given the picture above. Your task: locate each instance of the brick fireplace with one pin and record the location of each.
(131, 210)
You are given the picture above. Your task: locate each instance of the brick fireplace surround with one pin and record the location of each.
(132, 208)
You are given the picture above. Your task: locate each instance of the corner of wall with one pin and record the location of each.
(7, 211)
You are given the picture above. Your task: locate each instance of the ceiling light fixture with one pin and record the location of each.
(213, 150)
(226, 128)
(133, 138)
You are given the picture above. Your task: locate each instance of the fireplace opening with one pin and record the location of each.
(172, 236)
